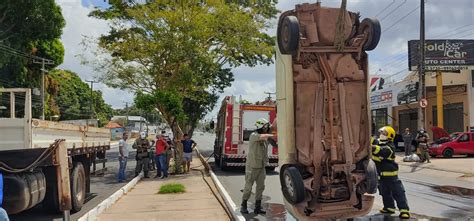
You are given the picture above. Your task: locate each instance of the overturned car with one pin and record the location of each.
(323, 117)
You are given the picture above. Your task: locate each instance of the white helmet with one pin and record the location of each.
(261, 123)
(143, 135)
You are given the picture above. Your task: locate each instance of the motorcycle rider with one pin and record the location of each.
(142, 145)
(390, 187)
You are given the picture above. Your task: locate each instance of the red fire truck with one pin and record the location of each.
(235, 123)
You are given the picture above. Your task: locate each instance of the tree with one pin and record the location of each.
(70, 98)
(177, 55)
(27, 28)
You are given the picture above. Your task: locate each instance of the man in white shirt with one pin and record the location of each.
(123, 155)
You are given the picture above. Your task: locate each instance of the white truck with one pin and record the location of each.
(235, 123)
(44, 161)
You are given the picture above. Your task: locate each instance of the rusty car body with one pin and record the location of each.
(323, 117)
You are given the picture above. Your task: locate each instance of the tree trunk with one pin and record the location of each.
(178, 136)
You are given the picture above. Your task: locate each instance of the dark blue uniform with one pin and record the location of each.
(390, 187)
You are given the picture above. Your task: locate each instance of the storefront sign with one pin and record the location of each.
(442, 55)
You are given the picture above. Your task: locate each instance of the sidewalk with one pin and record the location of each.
(457, 164)
(143, 202)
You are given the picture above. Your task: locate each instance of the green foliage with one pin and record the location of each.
(72, 97)
(172, 188)
(177, 54)
(32, 27)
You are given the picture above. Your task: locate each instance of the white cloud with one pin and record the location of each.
(79, 25)
(390, 56)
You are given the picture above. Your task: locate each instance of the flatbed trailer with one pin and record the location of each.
(44, 161)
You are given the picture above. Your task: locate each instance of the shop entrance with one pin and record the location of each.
(453, 117)
(408, 119)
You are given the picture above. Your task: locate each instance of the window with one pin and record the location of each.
(464, 138)
(379, 119)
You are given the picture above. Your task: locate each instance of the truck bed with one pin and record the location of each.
(20, 133)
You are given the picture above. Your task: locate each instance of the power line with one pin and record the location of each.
(388, 6)
(403, 17)
(391, 12)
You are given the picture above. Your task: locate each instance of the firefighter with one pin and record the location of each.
(390, 187)
(422, 138)
(255, 165)
(142, 145)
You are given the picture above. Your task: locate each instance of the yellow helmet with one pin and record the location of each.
(388, 131)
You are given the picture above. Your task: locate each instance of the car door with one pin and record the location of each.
(470, 147)
(462, 144)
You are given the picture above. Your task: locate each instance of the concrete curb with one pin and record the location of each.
(228, 201)
(94, 213)
(233, 209)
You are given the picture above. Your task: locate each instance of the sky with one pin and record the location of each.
(444, 19)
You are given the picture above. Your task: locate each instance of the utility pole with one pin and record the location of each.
(126, 117)
(43, 62)
(421, 69)
(92, 99)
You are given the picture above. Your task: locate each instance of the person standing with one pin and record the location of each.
(188, 146)
(407, 140)
(390, 187)
(160, 156)
(142, 145)
(422, 139)
(255, 163)
(123, 156)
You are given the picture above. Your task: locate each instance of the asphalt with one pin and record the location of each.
(101, 188)
(432, 194)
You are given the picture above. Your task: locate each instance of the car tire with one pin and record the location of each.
(78, 187)
(448, 153)
(372, 26)
(288, 35)
(292, 185)
(371, 177)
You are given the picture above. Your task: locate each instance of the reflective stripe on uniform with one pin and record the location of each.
(389, 173)
(404, 211)
(377, 149)
(391, 209)
(377, 158)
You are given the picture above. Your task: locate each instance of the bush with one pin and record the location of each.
(172, 188)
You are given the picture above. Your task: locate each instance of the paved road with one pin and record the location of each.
(421, 185)
(101, 188)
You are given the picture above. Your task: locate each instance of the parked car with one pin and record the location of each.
(461, 143)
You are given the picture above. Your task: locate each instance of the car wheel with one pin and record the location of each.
(292, 185)
(448, 153)
(288, 35)
(432, 155)
(372, 27)
(371, 177)
(78, 187)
